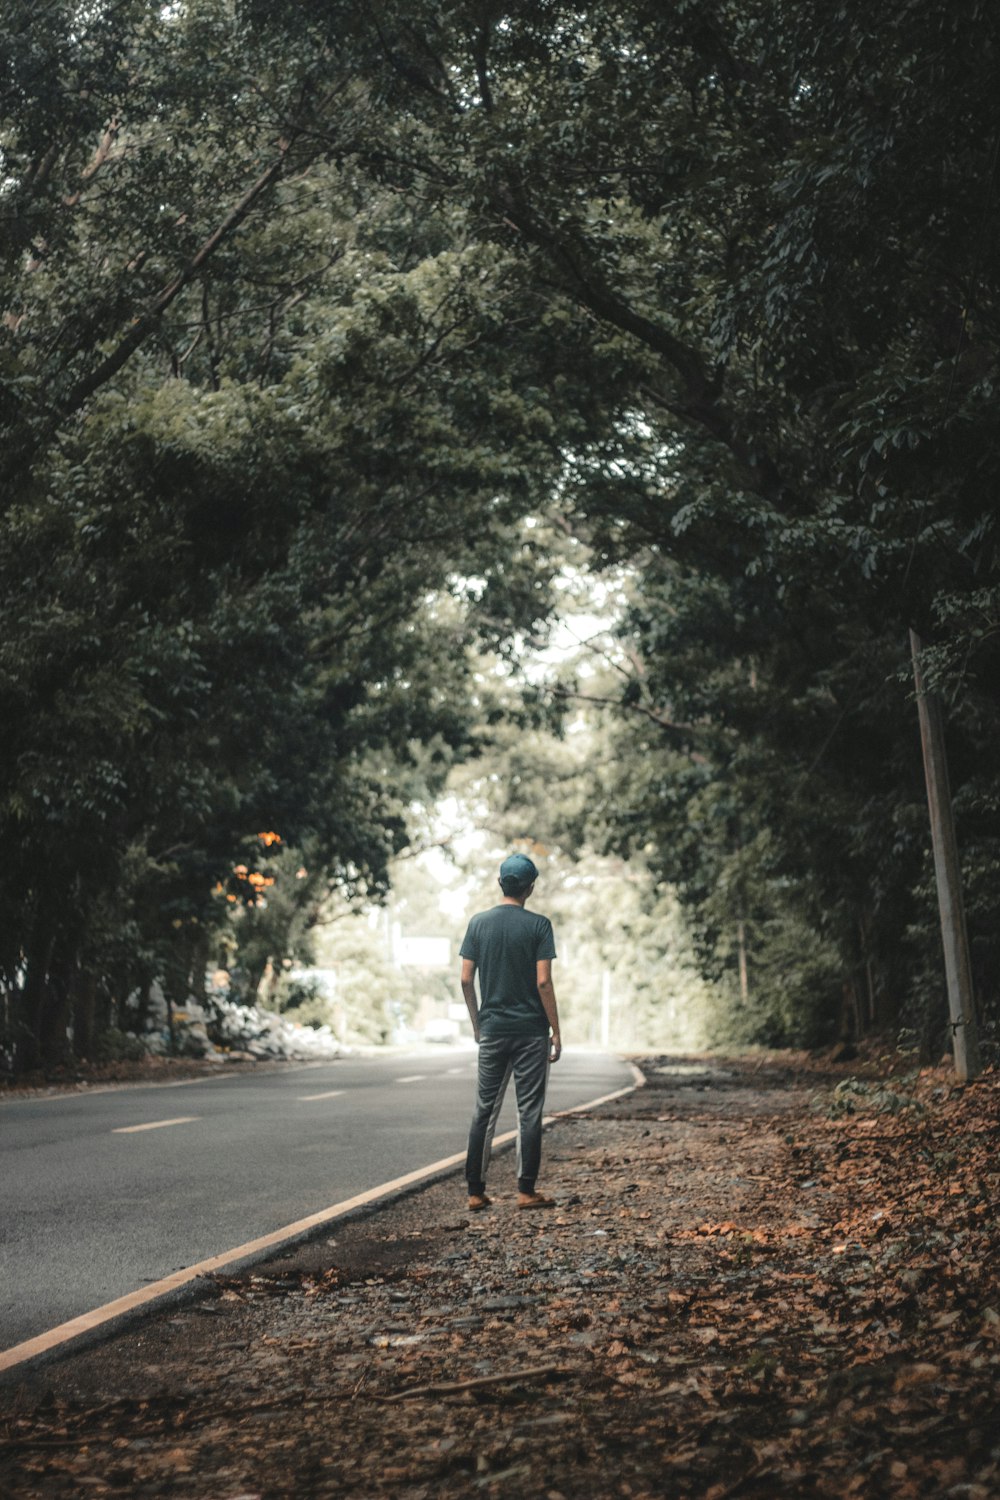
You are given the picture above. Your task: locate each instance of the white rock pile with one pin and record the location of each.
(226, 1031)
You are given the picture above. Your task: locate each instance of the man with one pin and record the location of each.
(516, 1024)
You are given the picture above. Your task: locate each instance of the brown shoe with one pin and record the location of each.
(478, 1201)
(535, 1200)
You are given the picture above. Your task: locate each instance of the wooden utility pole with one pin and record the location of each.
(948, 874)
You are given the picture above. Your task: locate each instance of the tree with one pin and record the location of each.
(779, 225)
(315, 303)
(216, 583)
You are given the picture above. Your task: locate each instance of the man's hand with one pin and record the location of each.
(547, 995)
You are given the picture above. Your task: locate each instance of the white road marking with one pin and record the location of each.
(63, 1332)
(154, 1125)
(412, 1078)
(561, 1114)
(451, 1071)
(330, 1094)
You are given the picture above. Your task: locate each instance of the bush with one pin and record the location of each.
(113, 1045)
(304, 1001)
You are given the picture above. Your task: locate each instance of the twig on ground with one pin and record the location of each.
(453, 1387)
(731, 1489)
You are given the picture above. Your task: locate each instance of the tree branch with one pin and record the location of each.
(652, 714)
(145, 324)
(481, 57)
(701, 402)
(101, 155)
(609, 305)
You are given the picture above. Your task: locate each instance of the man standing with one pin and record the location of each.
(516, 1025)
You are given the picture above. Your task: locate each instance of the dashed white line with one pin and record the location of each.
(412, 1078)
(330, 1094)
(154, 1125)
(456, 1070)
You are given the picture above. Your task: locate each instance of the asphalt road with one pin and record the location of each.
(93, 1206)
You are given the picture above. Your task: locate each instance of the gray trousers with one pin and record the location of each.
(527, 1057)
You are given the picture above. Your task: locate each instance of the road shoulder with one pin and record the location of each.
(729, 1298)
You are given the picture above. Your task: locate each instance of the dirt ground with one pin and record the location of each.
(752, 1285)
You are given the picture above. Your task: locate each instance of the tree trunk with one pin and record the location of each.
(254, 978)
(851, 1022)
(84, 1028)
(273, 981)
(948, 875)
(105, 1009)
(200, 954)
(741, 945)
(28, 1049)
(56, 1012)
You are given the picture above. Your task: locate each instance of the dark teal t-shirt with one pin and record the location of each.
(505, 943)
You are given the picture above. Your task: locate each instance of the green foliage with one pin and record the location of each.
(113, 1046)
(306, 1002)
(854, 1096)
(305, 309)
(217, 585)
(781, 227)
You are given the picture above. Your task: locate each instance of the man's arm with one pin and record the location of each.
(469, 992)
(547, 995)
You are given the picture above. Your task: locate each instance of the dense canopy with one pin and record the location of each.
(333, 335)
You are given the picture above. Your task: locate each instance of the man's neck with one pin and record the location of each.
(513, 900)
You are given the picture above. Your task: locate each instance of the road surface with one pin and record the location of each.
(104, 1192)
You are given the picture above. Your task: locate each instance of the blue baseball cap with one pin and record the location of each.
(518, 871)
